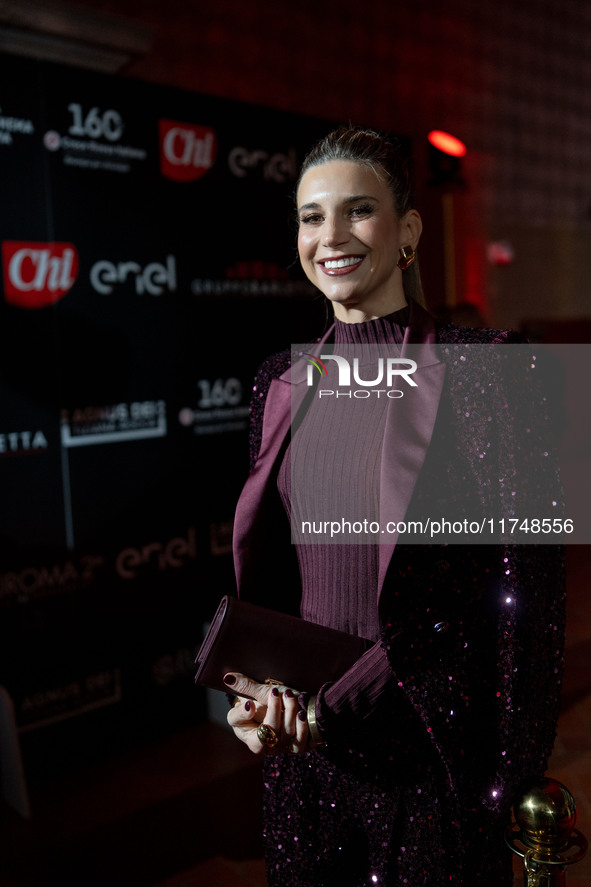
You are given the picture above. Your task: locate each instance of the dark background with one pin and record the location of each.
(115, 549)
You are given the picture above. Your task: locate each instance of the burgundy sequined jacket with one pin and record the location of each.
(472, 635)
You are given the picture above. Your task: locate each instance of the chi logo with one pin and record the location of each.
(38, 274)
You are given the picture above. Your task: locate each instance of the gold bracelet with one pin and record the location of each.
(316, 739)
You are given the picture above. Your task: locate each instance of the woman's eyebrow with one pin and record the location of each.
(353, 199)
(357, 197)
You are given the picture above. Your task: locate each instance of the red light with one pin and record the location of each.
(447, 143)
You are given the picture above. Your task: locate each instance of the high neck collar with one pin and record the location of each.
(389, 329)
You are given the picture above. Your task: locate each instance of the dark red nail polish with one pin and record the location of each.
(229, 679)
(302, 715)
(274, 692)
(247, 705)
(288, 693)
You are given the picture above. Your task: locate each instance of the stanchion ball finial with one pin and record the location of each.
(546, 813)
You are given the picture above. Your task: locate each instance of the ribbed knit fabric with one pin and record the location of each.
(382, 330)
(331, 472)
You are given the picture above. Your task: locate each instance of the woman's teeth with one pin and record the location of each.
(341, 263)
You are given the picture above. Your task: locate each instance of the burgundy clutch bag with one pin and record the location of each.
(267, 645)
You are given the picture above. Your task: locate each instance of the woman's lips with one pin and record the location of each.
(341, 265)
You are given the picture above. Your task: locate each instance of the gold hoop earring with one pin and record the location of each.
(407, 257)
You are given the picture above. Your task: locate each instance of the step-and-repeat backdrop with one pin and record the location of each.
(148, 265)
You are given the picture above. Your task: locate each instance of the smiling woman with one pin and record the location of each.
(350, 238)
(403, 770)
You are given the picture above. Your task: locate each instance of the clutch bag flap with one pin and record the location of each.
(268, 645)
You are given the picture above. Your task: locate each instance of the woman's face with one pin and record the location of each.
(349, 239)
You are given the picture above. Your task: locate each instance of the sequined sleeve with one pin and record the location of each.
(489, 702)
(270, 369)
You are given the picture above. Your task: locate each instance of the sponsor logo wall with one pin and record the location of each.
(147, 254)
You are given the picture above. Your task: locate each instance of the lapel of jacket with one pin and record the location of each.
(409, 428)
(285, 394)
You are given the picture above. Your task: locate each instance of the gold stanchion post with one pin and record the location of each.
(544, 834)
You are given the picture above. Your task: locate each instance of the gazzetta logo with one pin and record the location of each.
(38, 274)
(187, 151)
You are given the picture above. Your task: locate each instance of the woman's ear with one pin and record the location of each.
(411, 226)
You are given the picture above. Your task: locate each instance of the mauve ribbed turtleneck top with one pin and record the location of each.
(331, 472)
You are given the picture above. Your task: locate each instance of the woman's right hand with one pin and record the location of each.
(266, 705)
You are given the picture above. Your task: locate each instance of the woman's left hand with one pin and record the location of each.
(278, 710)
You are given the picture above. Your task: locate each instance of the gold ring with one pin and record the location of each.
(267, 736)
